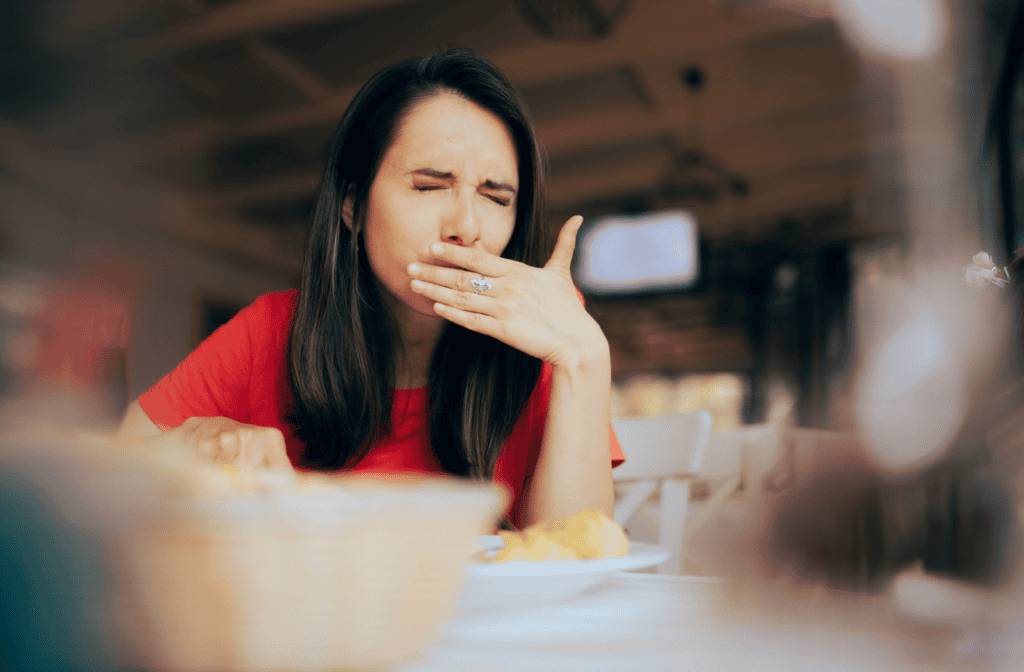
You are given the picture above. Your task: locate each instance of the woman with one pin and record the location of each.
(429, 335)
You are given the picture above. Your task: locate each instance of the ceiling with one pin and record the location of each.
(231, 104)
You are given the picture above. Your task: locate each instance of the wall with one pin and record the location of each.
(40, 233)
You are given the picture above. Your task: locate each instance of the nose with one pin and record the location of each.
(461, 225)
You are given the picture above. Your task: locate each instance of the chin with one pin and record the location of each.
(422, 305)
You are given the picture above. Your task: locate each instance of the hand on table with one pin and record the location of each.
(226, 441)
(535, 310)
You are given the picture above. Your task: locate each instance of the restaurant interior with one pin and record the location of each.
(783, 201)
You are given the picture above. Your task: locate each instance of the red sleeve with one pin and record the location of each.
(617, 456)
(214, 379)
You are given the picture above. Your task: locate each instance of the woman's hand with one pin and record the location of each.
(535, 310)
(226, 441)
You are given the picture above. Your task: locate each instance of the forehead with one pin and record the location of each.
(450, 133)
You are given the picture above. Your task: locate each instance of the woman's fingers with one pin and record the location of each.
(456, 298)
(483, 324)
(250, 450)
(206, 448)
(477, 262)
(229, 448)
(454, 278)
(248, 447)
(275, 455)
(561, 257)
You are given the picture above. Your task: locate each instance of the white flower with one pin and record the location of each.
(983, 259)
(983, 271)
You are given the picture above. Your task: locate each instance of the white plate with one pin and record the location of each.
(516, 584)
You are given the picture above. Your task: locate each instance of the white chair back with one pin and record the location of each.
(665, 451)
(748, 452)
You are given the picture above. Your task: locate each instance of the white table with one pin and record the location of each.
(666, 618)
(642, 622)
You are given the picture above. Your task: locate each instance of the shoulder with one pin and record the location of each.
(266, 321)
(279, 304)
(268, 318)
(275, 309)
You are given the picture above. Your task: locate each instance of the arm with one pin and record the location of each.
(136, 425)
(538, 311)
(574, 471)
(214, 440)
(214, 382)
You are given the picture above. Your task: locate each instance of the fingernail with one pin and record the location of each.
(437, 248)
(414, 269)
(418, 285)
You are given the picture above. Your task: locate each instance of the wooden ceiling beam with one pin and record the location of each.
(274, 189)
(77, 181)
(271, 57)
(558, 136)
(657, 30)
(654, 29)
(630, 177)
(193, 7)
(792, 150)
(251, 17)
(200, 135)
(587, 130)
(644, 175)
(83, 23)
(289, 68)
(780, 197)
(749, 218)
(783, 195)
(198, 83)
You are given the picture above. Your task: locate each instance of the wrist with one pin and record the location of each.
(591, 362)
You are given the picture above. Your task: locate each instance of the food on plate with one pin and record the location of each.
(585, 536)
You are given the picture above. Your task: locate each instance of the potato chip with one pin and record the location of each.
(587, 535)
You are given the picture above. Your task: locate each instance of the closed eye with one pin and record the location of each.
(503, 202)
(427, 187)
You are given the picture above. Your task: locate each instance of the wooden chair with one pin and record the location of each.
(663, 452)
(805, 448)
(737, 458)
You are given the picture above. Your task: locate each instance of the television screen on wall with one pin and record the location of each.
(637, 254)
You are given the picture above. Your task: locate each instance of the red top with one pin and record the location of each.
(240, 372)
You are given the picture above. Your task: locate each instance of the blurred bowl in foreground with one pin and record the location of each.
(356, 577)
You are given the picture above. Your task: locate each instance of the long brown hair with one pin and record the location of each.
(342, 347)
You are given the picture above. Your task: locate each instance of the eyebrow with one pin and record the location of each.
(441, 175)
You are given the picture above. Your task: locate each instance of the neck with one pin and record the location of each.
(418, 337)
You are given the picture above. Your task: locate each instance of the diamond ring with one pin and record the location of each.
(481, 284)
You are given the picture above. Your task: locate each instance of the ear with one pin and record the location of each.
(347, 209)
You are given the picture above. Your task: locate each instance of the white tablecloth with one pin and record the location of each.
(642, 622)
(666, 619)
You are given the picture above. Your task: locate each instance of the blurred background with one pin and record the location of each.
(166, 153)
